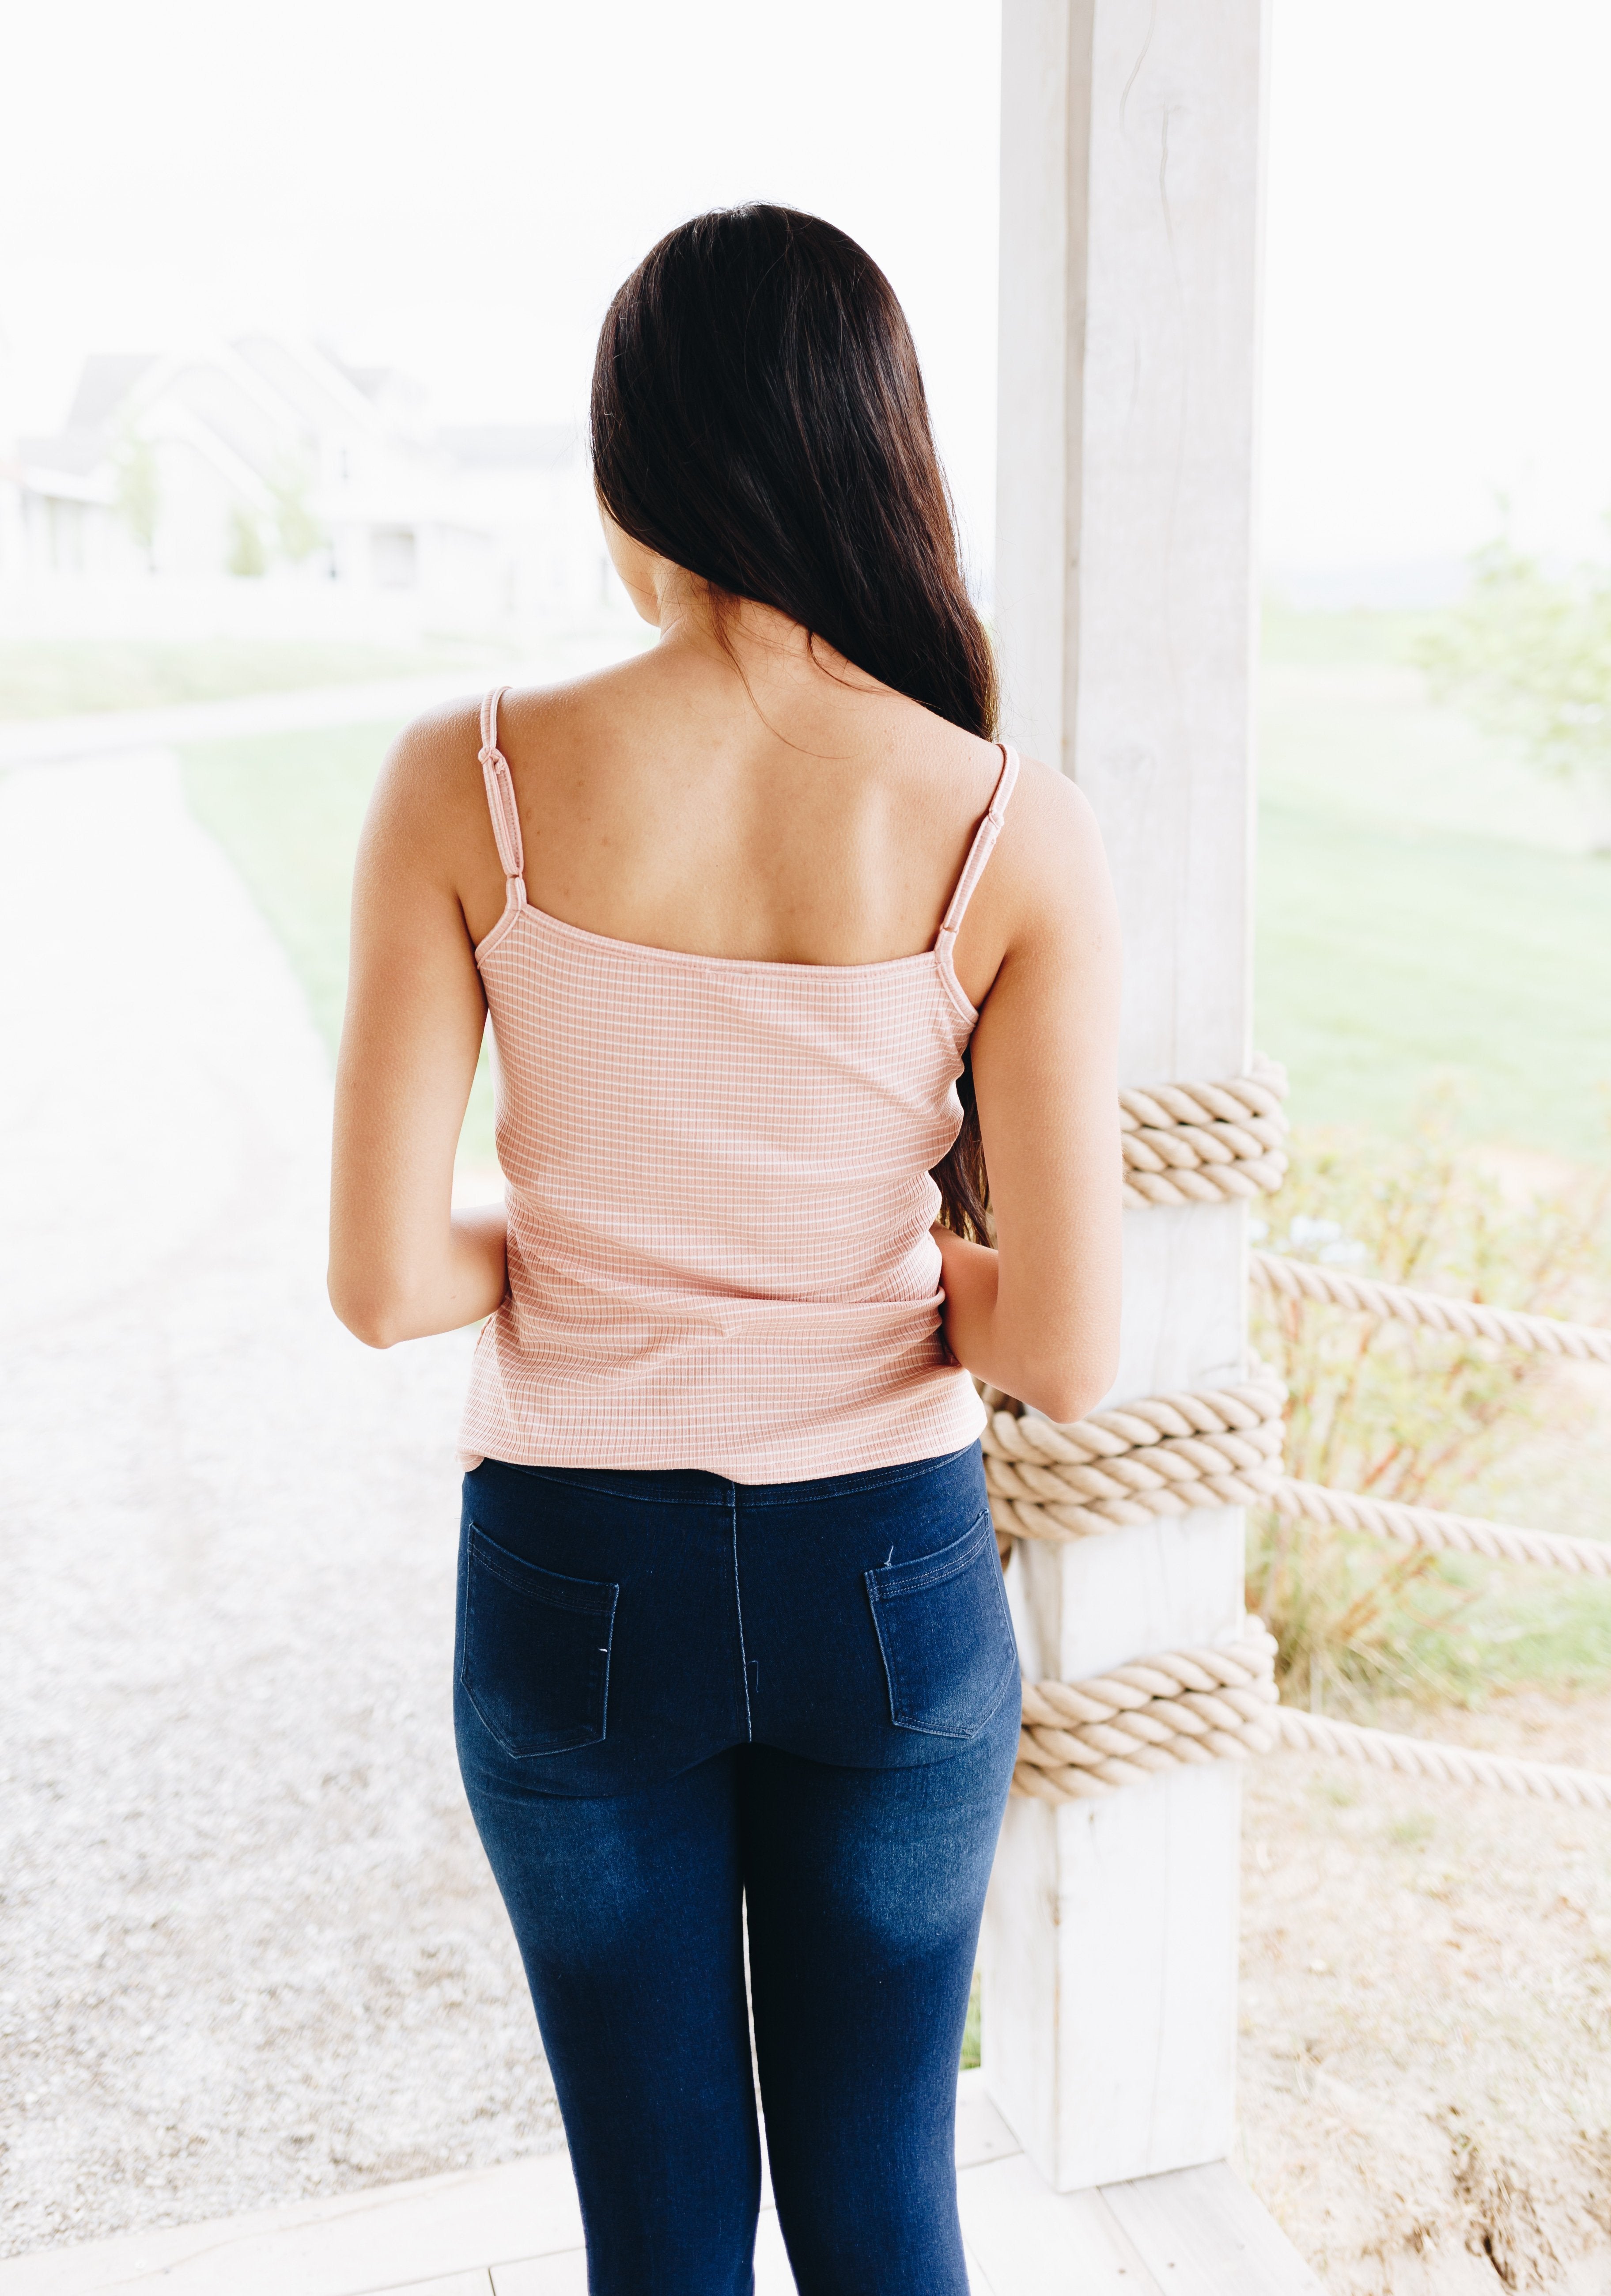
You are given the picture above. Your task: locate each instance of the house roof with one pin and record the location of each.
(260, 405)
(105, 382)
(320, 391)
(74, 451)
(505, 445)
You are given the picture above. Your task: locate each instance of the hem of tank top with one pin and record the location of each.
(469, 1460)
(680, 1298)
(933, 955)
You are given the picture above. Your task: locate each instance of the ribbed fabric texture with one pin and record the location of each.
(718, 1197)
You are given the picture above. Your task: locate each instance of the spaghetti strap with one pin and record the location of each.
(979, 851)
(501, 798)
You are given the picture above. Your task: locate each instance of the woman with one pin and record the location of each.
(734, 1662)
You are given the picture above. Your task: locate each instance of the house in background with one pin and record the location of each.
(268, 458)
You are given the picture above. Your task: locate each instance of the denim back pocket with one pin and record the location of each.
(534, 1655)
(947, 1635)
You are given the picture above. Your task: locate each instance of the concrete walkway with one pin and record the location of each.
(517, 2231)
(250, 1949)
(109, 733)
(114, 733)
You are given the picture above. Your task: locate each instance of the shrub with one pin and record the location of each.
(1528, 656)
(1396, 1412)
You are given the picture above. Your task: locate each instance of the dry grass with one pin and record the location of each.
(1427, 1975)
(1425, 2085)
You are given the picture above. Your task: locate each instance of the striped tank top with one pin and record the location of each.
(719, 1195)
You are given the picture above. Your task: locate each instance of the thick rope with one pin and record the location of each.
(1442, 1534)
(1168, 1454)
(1423, 1758)
(1162, 1456)
(1432, 1311)
(1196, 1143)
(1082, 1739)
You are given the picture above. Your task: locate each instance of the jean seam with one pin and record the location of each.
(738, 1606)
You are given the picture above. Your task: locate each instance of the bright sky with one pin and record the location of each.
(1437, 325)
(459, 190)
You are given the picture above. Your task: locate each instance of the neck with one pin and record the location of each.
(764, 647)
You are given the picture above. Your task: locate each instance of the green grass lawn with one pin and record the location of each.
(1390, 956)
(1423, 914)
(54, 678)
(1542, 1629)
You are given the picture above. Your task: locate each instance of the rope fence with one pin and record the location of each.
(1431, 1311)
(1169, 1454)
(1445, 1765)
(1441, 1533)
(1185, 1144)
(1083, 1740)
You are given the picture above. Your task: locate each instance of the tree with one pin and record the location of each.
(296, 524)
(247, 554)
(1528, 656)
(138, 493)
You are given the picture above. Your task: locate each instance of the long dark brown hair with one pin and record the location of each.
(758, 417)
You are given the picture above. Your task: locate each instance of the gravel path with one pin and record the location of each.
(251, 1948)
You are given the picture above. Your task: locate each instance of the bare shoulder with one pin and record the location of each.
(1044, 908)
(424, 792)
(432, 748)
(429, 793)
(439, 751)
(1055, 863)
(1054, 805)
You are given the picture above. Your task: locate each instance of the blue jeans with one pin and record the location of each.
(681, 1701)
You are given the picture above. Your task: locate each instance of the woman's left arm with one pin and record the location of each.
(402, 1262)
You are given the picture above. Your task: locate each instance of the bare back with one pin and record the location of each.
(815, 821)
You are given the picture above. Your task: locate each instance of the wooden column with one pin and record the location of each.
(1131, 176)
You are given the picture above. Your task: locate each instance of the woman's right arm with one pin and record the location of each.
(403, 1263)
(1039, 1315)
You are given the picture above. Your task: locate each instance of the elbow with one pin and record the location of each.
(1062, 1400)
(1068, 1388)
(367, 1315)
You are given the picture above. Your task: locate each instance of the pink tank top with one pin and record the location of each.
(718, 1196)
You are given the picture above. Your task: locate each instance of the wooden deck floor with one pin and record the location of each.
(515, 2230)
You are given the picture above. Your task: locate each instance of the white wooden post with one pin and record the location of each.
(1131, 176)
